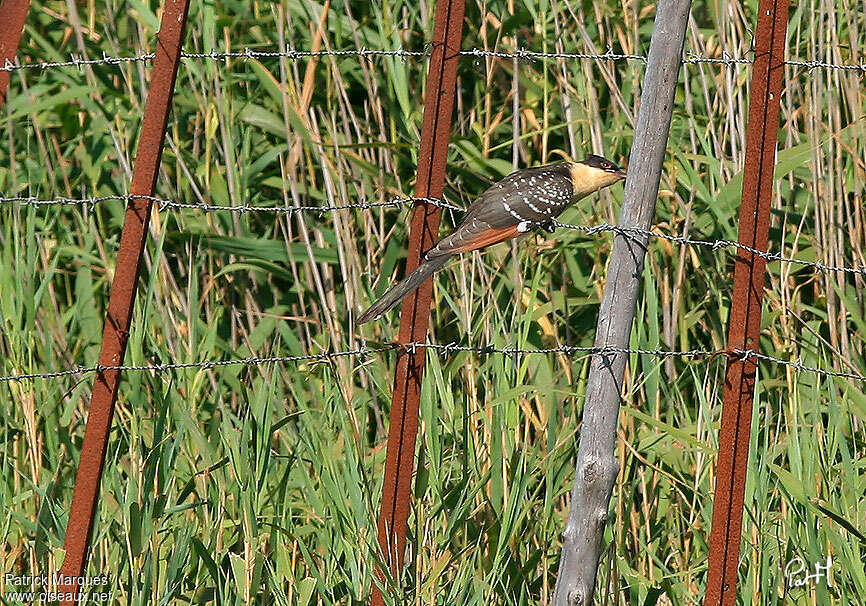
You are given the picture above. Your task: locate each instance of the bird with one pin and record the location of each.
(531, 198)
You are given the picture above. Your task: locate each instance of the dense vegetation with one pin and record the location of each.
(262, 484)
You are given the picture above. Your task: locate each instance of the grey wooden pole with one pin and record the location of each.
(596, 466)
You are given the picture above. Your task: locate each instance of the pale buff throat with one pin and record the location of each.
(588, 179)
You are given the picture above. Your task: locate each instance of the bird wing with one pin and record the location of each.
(534, 195)
(472, 235)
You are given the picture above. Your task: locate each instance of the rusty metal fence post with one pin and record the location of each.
(745, 319)
(415, 314)
(13, 13)
(120, 305)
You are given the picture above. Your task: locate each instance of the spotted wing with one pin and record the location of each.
(535, 195)
(531, 195)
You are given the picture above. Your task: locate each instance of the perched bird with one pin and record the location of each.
(524, 200)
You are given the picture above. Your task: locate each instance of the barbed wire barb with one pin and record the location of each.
(445, 350)
(165, 204)
(633, 232)
(689, 57)
(590, 230)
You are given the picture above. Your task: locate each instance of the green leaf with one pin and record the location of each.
(792, 485)
(264, 119)
(667, 428)
(274, 251)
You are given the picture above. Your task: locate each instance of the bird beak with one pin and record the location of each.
(620, 174)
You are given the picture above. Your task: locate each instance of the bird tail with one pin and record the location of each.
(402, 289)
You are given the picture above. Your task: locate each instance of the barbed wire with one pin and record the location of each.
(628, 232)
(817, 64)
(444, 350)
(529, 56)
(636, 232)
(689, 58)
(165, 204)
(203, 365)
(75, 61)
(798, 365)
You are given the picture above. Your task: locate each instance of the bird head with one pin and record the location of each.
(593, 173)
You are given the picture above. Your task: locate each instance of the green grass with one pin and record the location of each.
(261, 485)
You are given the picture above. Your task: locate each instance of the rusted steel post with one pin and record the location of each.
(13, 13)
(745, 319)
(596, 466)
(116, 331)
(415, 313)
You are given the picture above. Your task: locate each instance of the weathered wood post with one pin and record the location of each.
(596, 466)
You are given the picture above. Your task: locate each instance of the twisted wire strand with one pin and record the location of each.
(639, 234)
(165, 204)
(799, 366)
(633, 233)
(444, 350)
(203, 365)
(689, 57)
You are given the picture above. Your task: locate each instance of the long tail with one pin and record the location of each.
(402, 289)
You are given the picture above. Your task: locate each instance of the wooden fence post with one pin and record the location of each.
(415, 313)
(745, 319)
(596, 466)
(116, 330)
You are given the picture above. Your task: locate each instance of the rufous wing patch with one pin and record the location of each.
(487, 237)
